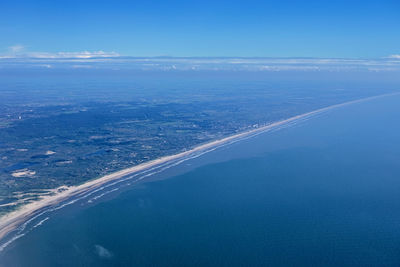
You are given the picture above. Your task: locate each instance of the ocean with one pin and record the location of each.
(323, 191)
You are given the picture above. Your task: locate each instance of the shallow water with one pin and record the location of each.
(324, 191)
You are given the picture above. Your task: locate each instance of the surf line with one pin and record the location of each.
(10, 222)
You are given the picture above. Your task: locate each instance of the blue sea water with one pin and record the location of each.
(322, 192)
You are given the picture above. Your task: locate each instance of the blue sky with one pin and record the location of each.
(345, 29)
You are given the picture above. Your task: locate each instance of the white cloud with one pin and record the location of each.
(84, 54)
(102, 252)
(16, 48)
(48, 66)
(18, 51)
(112, 60)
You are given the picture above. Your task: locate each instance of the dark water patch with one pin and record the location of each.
(96, 153)
(19, 166)
(40, 157)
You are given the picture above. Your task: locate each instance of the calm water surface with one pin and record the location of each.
(325, 192)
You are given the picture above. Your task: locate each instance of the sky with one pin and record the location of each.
(207, 28)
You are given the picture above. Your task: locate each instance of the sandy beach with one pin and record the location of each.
(11, 221)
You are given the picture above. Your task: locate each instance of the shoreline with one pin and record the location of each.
(12, 220)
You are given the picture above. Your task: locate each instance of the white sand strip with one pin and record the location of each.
(10, 221)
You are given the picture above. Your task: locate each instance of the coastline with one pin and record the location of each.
(12, 220)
